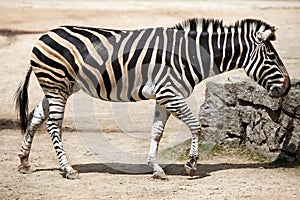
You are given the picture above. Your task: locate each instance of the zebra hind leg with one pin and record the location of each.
(36, 118)
(56, 114)
(160, 118)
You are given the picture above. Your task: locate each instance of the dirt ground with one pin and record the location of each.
(108, 143)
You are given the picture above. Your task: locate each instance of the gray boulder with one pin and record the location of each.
(239, 112)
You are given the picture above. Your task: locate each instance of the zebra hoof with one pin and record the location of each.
(159, 175)
(72, 175)
(25, 169)
(190, 169)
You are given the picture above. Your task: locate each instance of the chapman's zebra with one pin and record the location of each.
(163, 64)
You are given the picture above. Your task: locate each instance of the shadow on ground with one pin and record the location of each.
(9, 124)
(204, 170)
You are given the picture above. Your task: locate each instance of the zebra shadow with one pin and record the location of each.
(203, 170)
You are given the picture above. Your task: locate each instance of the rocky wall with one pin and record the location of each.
(239, 112)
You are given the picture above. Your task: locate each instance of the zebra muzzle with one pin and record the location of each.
(280, 90)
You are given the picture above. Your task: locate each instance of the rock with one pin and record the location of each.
(292, 139)
(291, 103)
(239, 112)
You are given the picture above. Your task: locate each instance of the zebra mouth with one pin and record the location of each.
(277, 91)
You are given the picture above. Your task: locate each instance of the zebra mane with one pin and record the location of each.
(194, 23)
(202, 24)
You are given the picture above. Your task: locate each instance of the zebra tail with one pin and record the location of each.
(21, 101)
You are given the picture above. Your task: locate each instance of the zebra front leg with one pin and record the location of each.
(191, 166)
(160, 118)
(179, 108)
(56, 114)
(35, 119)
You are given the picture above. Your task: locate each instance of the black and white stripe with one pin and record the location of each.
(154, 63)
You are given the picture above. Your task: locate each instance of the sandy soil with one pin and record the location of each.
(108, 143)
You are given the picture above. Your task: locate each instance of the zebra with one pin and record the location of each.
(162, 63)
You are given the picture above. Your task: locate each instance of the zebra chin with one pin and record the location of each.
(281, 90)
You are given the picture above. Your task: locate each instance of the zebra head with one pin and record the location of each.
(265, 66)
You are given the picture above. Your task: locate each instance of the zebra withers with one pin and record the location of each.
(160, 63)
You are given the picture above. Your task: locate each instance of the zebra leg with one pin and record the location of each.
(160, 118)
(191, 166)
(56, 114)
(36, 118)
(179, 108)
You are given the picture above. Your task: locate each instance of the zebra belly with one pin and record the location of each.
(124, 90)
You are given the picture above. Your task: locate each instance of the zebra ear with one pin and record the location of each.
(268, 34)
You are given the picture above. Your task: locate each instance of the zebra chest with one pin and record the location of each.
(148, 91)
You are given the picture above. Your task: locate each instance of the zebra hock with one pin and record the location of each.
(164, 64)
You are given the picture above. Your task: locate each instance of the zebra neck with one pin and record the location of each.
(215, 52)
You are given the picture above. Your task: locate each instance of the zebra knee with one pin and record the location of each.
(42, 110)
(38, 115)
(157, 130)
